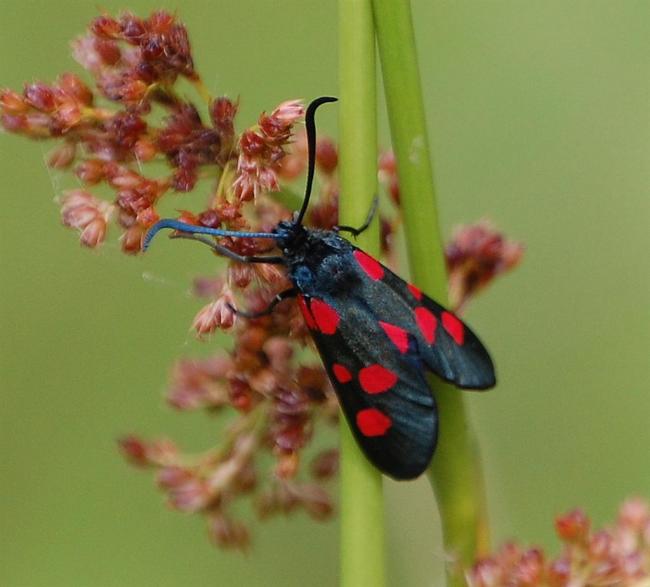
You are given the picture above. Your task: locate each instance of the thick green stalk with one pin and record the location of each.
(362, 506)
(455, 472)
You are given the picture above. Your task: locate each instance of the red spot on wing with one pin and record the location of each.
(416, 291)
(371, 266)
(306, 312)
(427, 323)
(372, 422)
(341, 373)
(398, 335)
(454, 327)
(327, 318)
(376, 379)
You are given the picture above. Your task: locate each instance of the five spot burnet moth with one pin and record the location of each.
(375, 333)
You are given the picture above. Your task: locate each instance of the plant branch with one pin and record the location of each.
(455, 472)
(362, 506)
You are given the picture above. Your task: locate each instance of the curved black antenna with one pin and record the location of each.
(311, 149)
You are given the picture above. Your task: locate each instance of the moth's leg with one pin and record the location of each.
(283, 295)
(221, 250)
(366, 224)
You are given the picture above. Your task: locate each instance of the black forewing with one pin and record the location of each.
(405, 450)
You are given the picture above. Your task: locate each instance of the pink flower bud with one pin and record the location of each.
(190, 496)
(131, 239)
(94, 233)
(289, 112)
(634, 514)
(62, 156)
(40, 96)
(218, 314)
(90, 171)
(81, 210)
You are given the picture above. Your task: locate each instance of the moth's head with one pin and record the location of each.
(289, 235)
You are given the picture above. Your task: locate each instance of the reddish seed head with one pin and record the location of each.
(530, 568)
(218, 314)
(144, 150)
(573, 527)
(40, 96)
(132, 28)
(600, 545)
(316, 501)
(477, 254)
(80, 210)
(108, 51)
(12, 102)
(190, 496)
(74, 87)
(252, 144)
(327, 157)
(131, 239)
(228, 533)
(277, 126)
(325, 464)
(90, 171)
(107, 27)
(210, 218)
(222, 113)
(279, 350)
(134, 449)
(287, 465)
(634, 514)
(63, 156)
(94, 233)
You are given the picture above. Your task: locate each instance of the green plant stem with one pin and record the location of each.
(455, 472)
(362, 506)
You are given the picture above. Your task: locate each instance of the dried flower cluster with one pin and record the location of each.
(616, 556)
(270, 382)
(475, 256)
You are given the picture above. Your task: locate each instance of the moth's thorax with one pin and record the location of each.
(316, 259)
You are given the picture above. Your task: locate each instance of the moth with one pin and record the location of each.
(376, 334)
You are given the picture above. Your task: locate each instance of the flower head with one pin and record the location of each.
(476, 254)
(616, 556)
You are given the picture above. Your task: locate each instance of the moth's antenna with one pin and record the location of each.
(191, 229)
(311, 149)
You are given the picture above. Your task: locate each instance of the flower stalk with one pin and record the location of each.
(362, 507)
(455, 472)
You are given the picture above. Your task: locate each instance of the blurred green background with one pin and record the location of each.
(539, 121)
